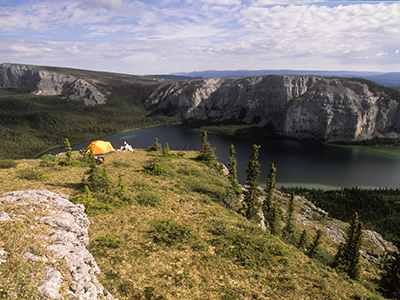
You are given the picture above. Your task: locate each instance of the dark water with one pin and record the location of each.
(299, 163)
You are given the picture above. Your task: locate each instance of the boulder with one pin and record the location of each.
(66, 241)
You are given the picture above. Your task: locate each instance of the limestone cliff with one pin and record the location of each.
(296, 106)
(42, 82)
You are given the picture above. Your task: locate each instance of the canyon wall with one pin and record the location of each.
(297, 106)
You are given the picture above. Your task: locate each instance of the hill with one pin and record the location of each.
(386, 79)
(169, 228)
(41, 106)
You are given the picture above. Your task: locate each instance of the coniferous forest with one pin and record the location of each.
(31, 124)
(378, 209)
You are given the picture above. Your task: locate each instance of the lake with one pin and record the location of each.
(299, 163)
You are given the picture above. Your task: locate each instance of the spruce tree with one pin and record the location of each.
(166, 151)
(206, 152)
(303, 241)
(347, 259)
(68, 152)
(233, 171)
(251, 194)
(390, 278)
(289, 231)
(315, 245)
(271, 207)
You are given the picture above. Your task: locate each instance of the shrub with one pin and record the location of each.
(181, 153)
(171, 233)
(107, 241)
(101, 203)
(7, 163)
(154, 168)
(156, 146)
(33, 173)
(166, 151)
(119, 164)
(148, 199)
(142, 186)
(247, 245)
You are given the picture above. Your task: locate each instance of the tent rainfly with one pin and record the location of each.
(100, 147)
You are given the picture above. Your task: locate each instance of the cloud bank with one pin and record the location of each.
(144, 37)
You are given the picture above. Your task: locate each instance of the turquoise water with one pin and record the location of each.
(299, 163)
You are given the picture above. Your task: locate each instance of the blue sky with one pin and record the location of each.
(165, 36)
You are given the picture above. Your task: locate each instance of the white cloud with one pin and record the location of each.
(284, 2)
(118, 5)
(397, 51)
(222, 2)
(209, 33)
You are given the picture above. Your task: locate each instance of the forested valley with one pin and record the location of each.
(31, 124)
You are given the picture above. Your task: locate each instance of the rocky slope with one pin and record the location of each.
(297, 106)
(62, 227)
(41, 82)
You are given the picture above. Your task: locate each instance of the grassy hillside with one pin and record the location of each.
(172, 236)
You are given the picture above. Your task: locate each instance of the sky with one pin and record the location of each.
(169, 36)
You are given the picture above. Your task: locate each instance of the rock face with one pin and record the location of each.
(83, 91)
(40, 82)
(68, 237)
(296, 106)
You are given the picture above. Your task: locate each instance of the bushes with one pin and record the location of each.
(101, 195)
(33, 173)
(7, 163)
(107, 241)
(248, 245)
(170, 232)
(148, 199)
(154, 168)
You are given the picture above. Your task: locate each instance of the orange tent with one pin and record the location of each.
(100, 147)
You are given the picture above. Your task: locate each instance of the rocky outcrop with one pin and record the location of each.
(310, 215)
(80, 90)
(66, 226)
(297, 106)
(42, 82)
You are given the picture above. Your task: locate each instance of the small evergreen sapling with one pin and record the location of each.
(68, 152)
(156, 146)
(206, 152)
(166, 151)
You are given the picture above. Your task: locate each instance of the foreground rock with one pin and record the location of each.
(296, 106)
(66, 241)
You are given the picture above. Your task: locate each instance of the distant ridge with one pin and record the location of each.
(386, 79)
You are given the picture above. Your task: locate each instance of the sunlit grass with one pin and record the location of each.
(135, 264)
